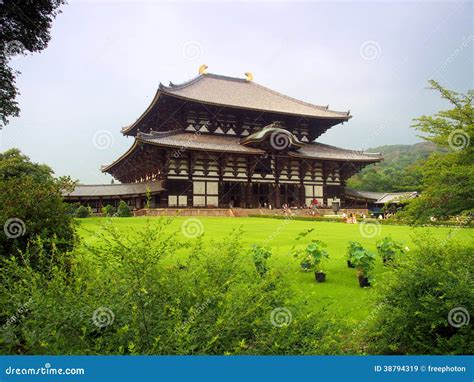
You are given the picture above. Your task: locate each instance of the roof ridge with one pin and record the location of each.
(192, 81)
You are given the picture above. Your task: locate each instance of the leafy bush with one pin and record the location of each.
(260, 256)
(123, 210)
(150, 293)
(390, 249)
(82, 212)
(425, 303)
(315, 253)
(108, 210)
(363, 260)
(32, 207)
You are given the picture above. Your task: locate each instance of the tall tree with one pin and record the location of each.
(447, 177)
(25, 27)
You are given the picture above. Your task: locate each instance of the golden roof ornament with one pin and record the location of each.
(249, 76)
(202, 69)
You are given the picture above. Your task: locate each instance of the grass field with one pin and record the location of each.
(340, 295)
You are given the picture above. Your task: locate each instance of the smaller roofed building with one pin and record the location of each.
(374, 201)
(218, 141)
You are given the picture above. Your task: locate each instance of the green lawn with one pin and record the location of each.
(340, 294)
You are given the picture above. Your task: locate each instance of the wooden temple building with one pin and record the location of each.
(218, 141)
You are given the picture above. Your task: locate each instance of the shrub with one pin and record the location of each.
(133, 294)
(82, 212)
(389, 249)
(260, 256)
(123, 210)
(313, 255)
(108, 210)
(32, 207)
(425, 303)
(363, 260)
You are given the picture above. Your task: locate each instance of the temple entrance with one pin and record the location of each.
(260, 195)
(289, 194)
(231, 195)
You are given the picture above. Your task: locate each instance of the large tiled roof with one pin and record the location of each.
(118, 189)
(241, 93)
(222, 143)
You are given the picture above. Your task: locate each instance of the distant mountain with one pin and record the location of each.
(397, 172)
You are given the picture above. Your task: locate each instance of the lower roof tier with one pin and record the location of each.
(270, 141)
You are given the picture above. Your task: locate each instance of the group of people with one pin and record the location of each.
(351, 219)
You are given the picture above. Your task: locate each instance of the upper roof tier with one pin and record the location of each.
(240, 93)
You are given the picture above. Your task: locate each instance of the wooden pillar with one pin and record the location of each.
(276, 193)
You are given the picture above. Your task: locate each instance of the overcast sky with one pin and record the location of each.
(106, 59)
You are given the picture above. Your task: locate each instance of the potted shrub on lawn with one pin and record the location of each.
(364, 262)
(390, 250)
(316, 253)
(352, 248)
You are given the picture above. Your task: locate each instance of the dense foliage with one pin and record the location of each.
(135, 295)
(390, 250)
(399, 170)
(82, 212)
(31, 207)
(108, 210)
(123, 210)
(424, 304)
(448, 178)
(25, 28)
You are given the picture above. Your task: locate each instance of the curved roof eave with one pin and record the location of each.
(135, 144)
(129, 128)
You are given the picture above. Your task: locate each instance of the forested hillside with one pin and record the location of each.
(397, 172)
